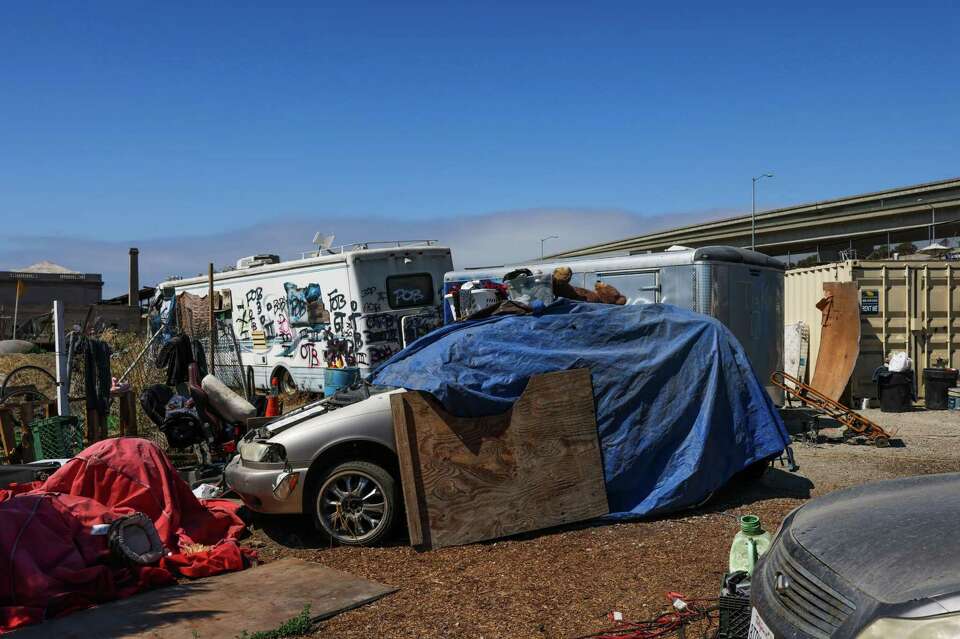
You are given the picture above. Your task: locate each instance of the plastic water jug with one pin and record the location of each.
(749, 544)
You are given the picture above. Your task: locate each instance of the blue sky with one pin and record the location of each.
(168, 124)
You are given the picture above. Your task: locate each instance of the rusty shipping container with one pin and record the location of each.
(905, 305)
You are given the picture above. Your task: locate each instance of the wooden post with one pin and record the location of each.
(7, 432)
(213, 323)
(26, 434)
(128, 414)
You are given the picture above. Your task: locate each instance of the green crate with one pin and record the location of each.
(57, 437)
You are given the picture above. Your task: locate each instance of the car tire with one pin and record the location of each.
(354, 503)
(285, 382)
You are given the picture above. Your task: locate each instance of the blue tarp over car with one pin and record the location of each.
(679, 408)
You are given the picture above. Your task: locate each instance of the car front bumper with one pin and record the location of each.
(253, 482)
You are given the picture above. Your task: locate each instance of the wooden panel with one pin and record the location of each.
(470, 479)
(7, 432)
(839, 338)
(28, 412)
(254, 600)
(128, 413)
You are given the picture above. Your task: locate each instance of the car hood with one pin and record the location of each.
(893, 540)
(319, 415)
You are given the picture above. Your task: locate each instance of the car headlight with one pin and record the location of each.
(262, 452)
(940, 627)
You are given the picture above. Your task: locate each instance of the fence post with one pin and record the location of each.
(213, 323)
(63, 375)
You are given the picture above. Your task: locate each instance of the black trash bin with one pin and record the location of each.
(895, 391)
(936, 381)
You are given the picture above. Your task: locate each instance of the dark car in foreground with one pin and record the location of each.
(881, 560)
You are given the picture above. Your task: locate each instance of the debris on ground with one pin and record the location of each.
(61, 537)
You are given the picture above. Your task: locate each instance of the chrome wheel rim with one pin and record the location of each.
(352, 506)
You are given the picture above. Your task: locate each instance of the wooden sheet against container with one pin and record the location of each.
(839, 338)
(471, 479)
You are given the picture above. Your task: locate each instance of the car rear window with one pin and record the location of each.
(405, 291)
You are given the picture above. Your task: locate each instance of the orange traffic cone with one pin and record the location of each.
(273, 399)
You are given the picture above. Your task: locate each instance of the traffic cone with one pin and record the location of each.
(273, 399)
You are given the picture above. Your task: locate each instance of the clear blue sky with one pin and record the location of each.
(122, 120)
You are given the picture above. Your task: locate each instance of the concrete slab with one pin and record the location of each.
(257, 599)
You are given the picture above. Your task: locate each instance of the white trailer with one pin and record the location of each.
(344, 307)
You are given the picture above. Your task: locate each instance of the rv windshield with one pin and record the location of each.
(406, 291)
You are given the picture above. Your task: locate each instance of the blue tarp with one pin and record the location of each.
(679, 408)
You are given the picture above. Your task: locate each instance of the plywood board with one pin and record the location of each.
(257, 599)
(839, 338)
(471, 479)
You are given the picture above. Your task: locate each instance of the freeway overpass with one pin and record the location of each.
(863, 224)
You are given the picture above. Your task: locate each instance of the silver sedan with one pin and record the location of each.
(336, 463)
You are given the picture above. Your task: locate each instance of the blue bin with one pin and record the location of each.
(335, 379)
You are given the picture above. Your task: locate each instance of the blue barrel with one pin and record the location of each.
(335, 379)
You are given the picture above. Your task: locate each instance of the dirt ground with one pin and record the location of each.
(564, 582)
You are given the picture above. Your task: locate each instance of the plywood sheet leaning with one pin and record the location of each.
(231, 605)
(470, 479)
(839, 338)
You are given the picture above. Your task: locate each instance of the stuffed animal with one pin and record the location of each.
(603, 293)
(608, 294)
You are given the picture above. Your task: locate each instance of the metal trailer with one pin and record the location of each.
(349, 306)
(741, 288)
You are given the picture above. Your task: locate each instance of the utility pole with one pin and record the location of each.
(753, 214)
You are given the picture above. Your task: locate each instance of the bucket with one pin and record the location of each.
(335, 379)
(936, 382)
(953, 399)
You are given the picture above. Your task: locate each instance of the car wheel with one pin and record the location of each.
(285, 382)
(355, 503)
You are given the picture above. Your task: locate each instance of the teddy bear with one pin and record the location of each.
(602, 293)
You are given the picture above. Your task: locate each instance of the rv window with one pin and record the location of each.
(405, 291)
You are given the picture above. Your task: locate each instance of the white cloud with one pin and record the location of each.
(477, 240)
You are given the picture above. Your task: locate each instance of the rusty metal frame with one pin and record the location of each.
(852, 420)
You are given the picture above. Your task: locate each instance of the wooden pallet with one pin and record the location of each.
(471, 479)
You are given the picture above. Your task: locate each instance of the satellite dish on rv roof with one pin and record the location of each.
(322, 241)
(679, 247)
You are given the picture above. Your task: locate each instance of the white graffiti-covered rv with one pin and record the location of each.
(351, 306)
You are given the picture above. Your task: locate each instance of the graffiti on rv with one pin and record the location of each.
(407, 296)
(320, 330)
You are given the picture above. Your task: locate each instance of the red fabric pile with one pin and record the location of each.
(52, 562)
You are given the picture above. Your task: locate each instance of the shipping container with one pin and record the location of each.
(905, 305)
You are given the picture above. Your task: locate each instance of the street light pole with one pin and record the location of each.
(753, 214)
(933, 220)
(544, 239)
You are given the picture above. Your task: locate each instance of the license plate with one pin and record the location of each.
(758, 628)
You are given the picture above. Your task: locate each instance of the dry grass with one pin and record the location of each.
(126, 347)
(10, 362)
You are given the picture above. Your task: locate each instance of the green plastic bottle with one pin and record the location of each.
(749, 544)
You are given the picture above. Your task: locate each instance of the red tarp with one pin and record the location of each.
(51, 563)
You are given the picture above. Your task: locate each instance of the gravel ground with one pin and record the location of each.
(564, 582)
